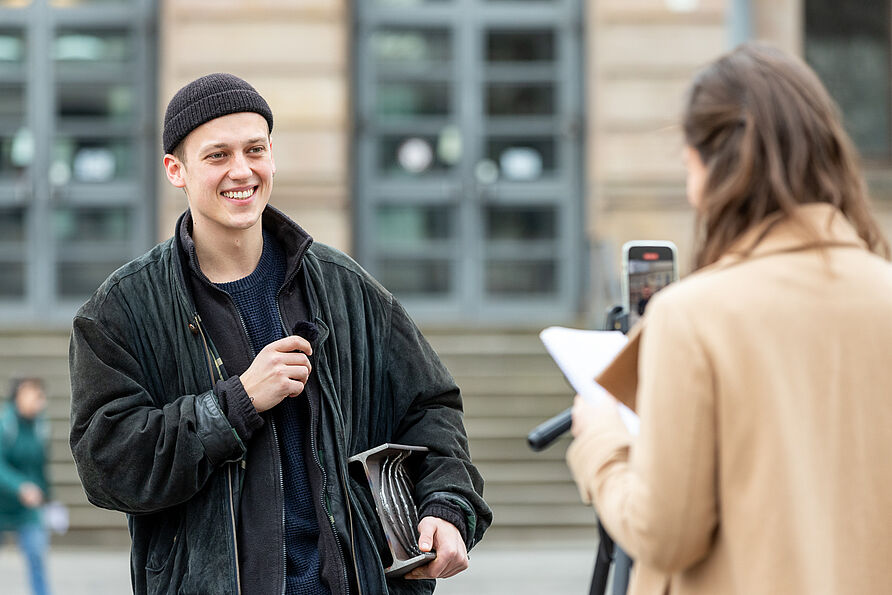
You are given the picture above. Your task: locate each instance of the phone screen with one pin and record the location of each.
(649, 268)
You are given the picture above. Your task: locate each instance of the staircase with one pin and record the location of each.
(509, 385)
(44, 354)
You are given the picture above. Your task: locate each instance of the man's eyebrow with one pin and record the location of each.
(214, 146)
(250, 141)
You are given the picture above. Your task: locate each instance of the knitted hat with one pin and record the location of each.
(206, 98)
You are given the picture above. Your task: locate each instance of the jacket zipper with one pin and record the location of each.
(238, 578)
(212, 361)
(325, 507)
(313, 447)
(272, 422)
(352, 534)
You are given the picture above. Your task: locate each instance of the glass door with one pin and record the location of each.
(75, 135)
(468, 156)
(16, 151)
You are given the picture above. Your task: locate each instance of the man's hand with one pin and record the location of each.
(441, 536)
(30, 495)
(280, 370)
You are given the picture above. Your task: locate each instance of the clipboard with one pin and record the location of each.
(584, 356)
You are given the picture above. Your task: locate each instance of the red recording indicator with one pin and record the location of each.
(650, 256)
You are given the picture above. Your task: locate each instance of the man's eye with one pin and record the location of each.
(258, 149)
(218, 155)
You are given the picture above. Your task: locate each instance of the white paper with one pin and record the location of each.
(583, 354)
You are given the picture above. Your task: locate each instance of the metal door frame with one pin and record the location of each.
(42, 305)
(468, 20)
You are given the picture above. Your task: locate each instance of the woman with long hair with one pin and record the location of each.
(762, 380)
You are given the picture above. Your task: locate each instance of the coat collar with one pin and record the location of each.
(815, 225)
(292, 237)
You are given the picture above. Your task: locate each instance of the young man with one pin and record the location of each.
(223, 433)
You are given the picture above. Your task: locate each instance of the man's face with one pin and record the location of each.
(30, 400)
(227, 173)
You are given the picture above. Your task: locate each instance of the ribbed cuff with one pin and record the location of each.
(450, 513)
(237, 407)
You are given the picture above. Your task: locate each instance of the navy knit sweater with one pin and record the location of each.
(255, 298)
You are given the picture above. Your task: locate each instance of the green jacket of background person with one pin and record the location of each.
(22, 460)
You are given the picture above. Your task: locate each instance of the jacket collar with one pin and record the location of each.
(291, 236)
(814, 225)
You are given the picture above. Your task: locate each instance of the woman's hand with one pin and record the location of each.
(585, 412)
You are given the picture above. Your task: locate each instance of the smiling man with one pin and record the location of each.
(221, 381)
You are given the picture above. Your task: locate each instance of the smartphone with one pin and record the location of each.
(648, 267)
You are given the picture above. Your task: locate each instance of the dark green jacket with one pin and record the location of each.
(22, 460)
(149, 437)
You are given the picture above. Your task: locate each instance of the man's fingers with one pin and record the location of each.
(292, 343)
(453, 560)
(427, 531)
(289, 358)
(444, 566)
(452, 556)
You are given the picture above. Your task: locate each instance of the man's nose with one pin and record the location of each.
(240, 167)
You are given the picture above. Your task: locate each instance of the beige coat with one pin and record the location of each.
(764, 462)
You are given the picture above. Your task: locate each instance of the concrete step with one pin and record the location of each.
(536, 406)
(505, 367)
(549, 515)
(501, 385)
(501, 427)
(528, 470)
(34, 344)
(507, 342)
(87, 516)
(531, 493)
(496, 450)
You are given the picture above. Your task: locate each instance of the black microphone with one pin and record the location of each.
(550, 430)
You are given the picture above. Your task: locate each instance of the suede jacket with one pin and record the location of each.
(150, 438)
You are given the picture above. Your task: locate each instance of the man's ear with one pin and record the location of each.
(271, 158)
(173, 167)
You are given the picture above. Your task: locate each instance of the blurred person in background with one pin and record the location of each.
(23, 483)
(762, 380)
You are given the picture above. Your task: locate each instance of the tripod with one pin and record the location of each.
(608, 553)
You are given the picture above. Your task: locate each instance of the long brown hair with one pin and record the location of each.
(771, 138)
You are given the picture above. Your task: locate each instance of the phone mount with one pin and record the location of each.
(392, 491)
(617, 320)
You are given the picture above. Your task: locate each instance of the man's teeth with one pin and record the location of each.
(242, 194)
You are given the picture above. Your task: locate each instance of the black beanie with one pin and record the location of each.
(206, 98)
